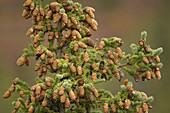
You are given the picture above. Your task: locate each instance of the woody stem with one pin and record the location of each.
(59, 52)
(123, 65)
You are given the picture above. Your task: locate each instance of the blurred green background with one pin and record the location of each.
(122, 18)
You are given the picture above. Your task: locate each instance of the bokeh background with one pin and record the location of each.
(122, 18)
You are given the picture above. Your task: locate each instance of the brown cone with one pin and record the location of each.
(105, 108)
(31, 109)
(67, 103)
(17, 105)
(44, 103)
(81, 91)
(72, 95)
(7, 94)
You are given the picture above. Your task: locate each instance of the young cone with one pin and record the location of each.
(44, 103)
(127, 104)
(67, 103)
(81, 91)
(80, 70)
(72, 95)
(121, 104)
(55, 94)
(31, 109)
(17, 105)
(145, 107)
(105, 108)
(7, 94)
(21, 61)
(101, 45)
(113, 108)
(94, 76)
(63, 98)
(61, 90)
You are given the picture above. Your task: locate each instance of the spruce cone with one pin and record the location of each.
(67, 103)
(12, 88)
(61, 90)
(157, 59)
(55, 94)
(21, 61)
(21, 94)
(17, 105)
(121, 104)
(81, 91)
(94, 76)
(145, 60)
(73, 69)
(31, 109)
(105, 108)
(91, 98)
(86, 57)
(76, 47)
(44, 103)
(94, 66)
(7, 94)
(72, 95)
(101, 45)
(113, 108)
(48, 82)
(80, 70)
(127, 104)
(119, 52)
(81, 81)
(82, 45)
(63, 98)
(145, 108)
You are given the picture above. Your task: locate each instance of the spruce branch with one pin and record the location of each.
(77, 64)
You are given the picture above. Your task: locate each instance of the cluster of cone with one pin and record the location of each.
(155, 72)
(49, 91)
(128, 100)
(75, 21)
(145, 61)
